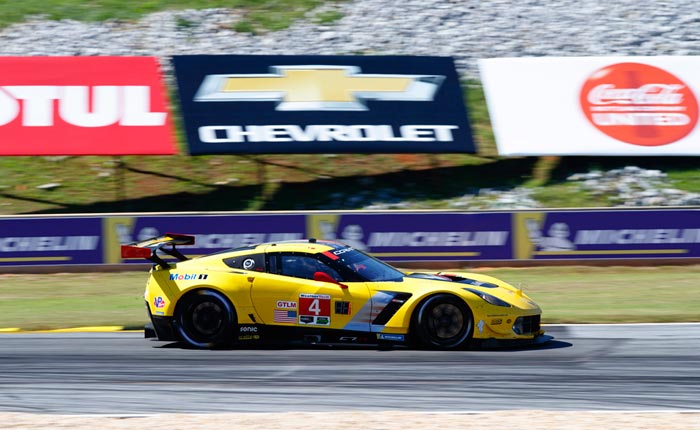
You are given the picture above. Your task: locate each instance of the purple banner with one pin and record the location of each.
(47, 241)
(422, 236)
(391, 236)
(613, 234)
(212, 232)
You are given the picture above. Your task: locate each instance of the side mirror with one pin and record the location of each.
(325, 277)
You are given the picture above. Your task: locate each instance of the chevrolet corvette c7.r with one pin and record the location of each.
(319, 291)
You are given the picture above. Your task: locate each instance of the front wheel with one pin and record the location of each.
(443, 322)
(205, 319)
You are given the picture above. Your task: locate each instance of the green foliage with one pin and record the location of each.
(183, 23)
(244, 26)
(328, 17)
(269, 15)
(479, 118)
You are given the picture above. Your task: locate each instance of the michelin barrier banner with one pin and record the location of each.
(622, 234)
(391, 236)
(419, 236)
(272, 104)
(594, 105)
(50, 241)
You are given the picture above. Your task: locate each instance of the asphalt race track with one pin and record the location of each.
(626, 367)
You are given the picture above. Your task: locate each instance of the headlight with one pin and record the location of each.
(488, 298)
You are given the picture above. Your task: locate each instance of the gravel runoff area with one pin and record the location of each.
(347, 420)
(466, 29)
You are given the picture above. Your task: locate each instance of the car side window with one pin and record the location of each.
(304, 266)
(254, 262)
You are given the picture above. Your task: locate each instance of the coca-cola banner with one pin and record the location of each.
(594, 105)
(83, 106)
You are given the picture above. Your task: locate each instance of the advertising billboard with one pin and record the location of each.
(419, 236)
(613, 234)
(266, 104)
(83, 106)
(397, 236)
(388, 236)
(594, 105)
(50, 241)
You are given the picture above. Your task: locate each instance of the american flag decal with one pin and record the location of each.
(284, 316)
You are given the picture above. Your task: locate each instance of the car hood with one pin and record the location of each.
(461, 282)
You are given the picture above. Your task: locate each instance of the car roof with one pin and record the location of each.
(309, 246)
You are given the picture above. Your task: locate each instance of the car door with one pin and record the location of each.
(287, 295)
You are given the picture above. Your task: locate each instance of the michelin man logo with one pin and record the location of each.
(125, 234)
(351, 235)
(327, 230)
(147, 233)
(558, 239)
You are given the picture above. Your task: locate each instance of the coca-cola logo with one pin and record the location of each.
(639, 104)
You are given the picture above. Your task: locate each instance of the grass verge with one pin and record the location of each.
(566, 294)
(258, 15)
(308, 182)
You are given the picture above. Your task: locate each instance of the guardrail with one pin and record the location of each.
(436, 238)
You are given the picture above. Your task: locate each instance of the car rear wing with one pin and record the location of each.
(149, 248)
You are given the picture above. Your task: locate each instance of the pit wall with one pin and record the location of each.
(408, 238)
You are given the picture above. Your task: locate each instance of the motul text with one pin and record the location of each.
(82, 106)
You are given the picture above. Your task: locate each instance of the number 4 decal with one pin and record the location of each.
(315, 309)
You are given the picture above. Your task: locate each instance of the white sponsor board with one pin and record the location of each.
(594, 105)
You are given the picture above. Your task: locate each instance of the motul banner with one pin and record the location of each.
(83, 106)
(594, 106)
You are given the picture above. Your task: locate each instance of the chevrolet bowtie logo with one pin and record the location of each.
(318, 88)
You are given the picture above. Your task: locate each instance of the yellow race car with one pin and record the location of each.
(319, 291)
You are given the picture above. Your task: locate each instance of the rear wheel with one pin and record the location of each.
(443, 321)
(205, 319)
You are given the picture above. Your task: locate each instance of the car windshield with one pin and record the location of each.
(369, 268)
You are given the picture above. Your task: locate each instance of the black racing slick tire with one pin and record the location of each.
(205, 319)
(443, 321)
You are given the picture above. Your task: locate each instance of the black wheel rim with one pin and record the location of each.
(207, 320)
(445, 322)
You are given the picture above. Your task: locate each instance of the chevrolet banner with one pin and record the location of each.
(262, 104)
(83, 106)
